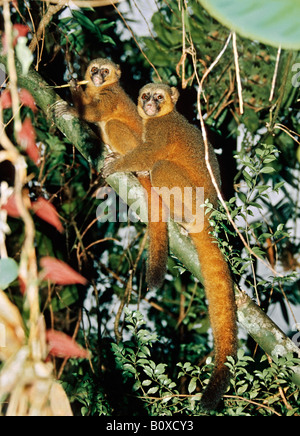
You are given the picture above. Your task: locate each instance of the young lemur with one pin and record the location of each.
(174, 153)
(105, 102)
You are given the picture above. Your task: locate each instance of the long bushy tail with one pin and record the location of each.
(222, 313)
(158, 237)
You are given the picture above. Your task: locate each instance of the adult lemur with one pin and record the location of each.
(174, 153)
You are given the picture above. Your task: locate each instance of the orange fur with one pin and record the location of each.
(121, 127)
(174, 152)
(220, 296)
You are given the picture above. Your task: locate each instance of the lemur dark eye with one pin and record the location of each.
(160, 97)
(144, 97)
(105, 70)
(94, 70)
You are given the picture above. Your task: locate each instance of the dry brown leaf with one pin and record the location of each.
(12, 331)
(59, 402)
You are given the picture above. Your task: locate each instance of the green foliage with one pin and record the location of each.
(256, 388)
(270, 23)
(85, 391)
(248, 209)
(258, 151)
(266, 384)
(162, 365)
(78, 28)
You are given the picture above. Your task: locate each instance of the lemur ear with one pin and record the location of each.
(118, 71)
(174, 94)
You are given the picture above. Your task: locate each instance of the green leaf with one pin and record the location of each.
(166, 399)
(84, 20)
(192, 385)
(258, 252)
(262, 188)
(128, 367)
(242, 389)
(270, 22)
(242, 196)
(267, 170)
(278, 185)
(8, 272)
(136, 385)
(67, 297)
(152, 390)
(160, 369)
(148, 371)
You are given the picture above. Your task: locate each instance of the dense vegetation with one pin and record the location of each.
(150, 353)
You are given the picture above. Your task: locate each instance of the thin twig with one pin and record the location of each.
(61, 369)
(144, 18)
(205, 140)
(287, 131)
(135, 40)
(237, 69)
(97, 242)
(127, 293)
(52, 10)
(185, 313)
(277, 105)
(239, 398)
(275, 74)
(66, 85)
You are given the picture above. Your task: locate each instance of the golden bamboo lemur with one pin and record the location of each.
(105, 102)
(173, 150)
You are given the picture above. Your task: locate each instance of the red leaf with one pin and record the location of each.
(26, 137)
(47, 212)
(11, 207)
(27, 133)
(60, 273)
(27, 99)
(21, 29)
(62, 345)
(18, 30)
(5, 99)
(34, 153)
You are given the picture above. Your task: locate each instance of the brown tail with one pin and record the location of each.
(158, 238)
(222, 312)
